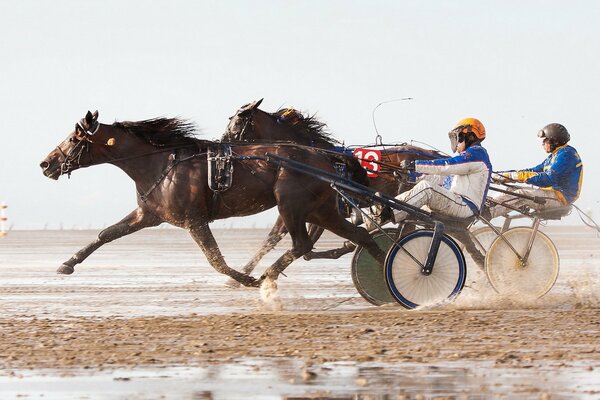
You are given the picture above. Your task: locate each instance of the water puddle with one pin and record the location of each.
(285, 378)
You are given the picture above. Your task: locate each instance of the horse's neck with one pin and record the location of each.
(145, 164)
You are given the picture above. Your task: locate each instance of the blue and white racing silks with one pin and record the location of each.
(471, 172)
(561, 171)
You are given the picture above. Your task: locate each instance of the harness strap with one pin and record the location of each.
(173, 163)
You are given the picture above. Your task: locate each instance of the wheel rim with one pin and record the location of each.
(506, 274)
(413, 289)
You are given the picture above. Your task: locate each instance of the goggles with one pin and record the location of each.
(456, 135)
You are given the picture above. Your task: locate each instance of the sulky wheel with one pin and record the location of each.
(367, 273)
(508, 275)
(412, 288)
(484, 236)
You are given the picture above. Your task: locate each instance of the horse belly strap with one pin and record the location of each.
(220, 167)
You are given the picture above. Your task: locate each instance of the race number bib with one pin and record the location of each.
(368, 160)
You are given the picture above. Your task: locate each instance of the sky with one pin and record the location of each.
(515, 65)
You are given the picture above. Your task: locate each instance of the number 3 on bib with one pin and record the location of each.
(369, 160)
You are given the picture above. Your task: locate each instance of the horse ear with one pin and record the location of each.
(95, 115)
(89, 118)
(257, 103)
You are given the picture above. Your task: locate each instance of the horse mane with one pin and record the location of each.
(308, 126)
(162, 131)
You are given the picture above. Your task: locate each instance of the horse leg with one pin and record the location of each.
(136, 220)
(315, 232)
(302, 243)
(471, 248)
(334, 254)
(347, 247)
(327, 219)
(275, 235)
(355, 234)
(205, 239)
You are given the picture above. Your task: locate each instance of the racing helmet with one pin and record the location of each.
(464, 126)
(557, 134)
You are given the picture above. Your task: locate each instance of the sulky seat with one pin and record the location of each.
(554, 213)
(453, 223)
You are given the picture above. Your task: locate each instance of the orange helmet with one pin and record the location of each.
(470, 125)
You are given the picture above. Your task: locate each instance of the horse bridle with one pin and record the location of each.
(247, 121)
(76, 151)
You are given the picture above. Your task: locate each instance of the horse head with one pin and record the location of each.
(242, 122)
(83, 147)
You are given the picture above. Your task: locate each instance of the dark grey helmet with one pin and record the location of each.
(556, 133)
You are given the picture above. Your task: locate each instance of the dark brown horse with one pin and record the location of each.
(170, 170)
(251, 124)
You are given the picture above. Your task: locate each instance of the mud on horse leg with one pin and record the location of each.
(275, 235)
(136, 220)
(203, 236)
(301, 244)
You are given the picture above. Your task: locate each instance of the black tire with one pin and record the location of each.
(368, 275)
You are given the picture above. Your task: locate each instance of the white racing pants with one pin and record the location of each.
(435, 197)
(552, 201)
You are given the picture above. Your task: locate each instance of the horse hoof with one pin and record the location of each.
(252, 282)
(232, 283)
(65, 269)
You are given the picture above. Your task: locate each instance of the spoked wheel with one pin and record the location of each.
(484, 237)
(367, 273)
(409, 286)
(509, 277)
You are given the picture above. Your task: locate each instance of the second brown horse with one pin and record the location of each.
(251, 124)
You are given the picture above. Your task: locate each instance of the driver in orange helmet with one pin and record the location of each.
(470, 171)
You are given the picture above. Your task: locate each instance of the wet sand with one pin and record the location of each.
(150, 303)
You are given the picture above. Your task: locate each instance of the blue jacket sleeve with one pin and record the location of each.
(537, 168)
(550, 177)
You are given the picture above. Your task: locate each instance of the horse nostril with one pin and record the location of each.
(44, 164)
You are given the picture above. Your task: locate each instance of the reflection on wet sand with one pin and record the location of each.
(292, 379)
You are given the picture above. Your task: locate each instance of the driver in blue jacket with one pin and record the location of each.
(470, 172)
(558, 177)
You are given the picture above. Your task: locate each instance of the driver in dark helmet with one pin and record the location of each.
(558, 177)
